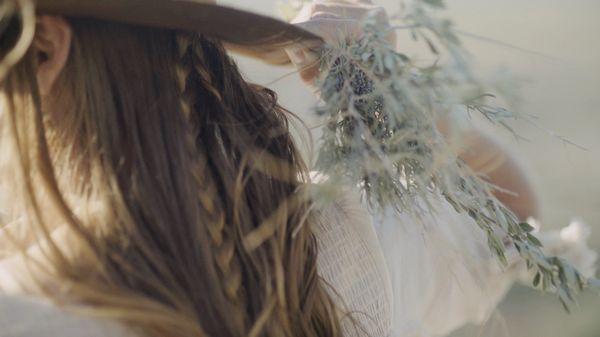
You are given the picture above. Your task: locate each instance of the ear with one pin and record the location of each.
(52, 44)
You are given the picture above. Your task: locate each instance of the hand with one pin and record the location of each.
(334, 21)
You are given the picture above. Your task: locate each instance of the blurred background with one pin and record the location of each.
(559, 75)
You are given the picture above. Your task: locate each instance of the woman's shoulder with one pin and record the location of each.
(22, 316)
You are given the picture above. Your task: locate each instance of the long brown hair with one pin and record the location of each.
(177, 185)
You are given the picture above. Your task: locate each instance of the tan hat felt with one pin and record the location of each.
(249, 33)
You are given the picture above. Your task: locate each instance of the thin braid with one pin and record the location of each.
(208, 111)
(190, 49)
(231, 120)
(193, 78)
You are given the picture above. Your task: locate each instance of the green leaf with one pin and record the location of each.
(565, 305)
(536, 279)
(565, 298)
(544, 283)
(535, 241)
(526, 227)
(570, 274)
(435, 3)
(431, 45)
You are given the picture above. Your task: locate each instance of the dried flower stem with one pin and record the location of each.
(381, 110)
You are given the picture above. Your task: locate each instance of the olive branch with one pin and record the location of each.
(381, 108)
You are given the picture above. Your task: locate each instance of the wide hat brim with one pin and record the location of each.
(245, 32)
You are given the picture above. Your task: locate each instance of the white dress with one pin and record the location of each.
(441, 272)
(444, 276)
(396, 278)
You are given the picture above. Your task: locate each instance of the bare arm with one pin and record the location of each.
(487, 157)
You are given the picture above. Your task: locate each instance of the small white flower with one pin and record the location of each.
(577, 231)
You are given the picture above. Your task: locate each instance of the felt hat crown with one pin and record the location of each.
(249, 33)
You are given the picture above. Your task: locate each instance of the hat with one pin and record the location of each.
(242, 31)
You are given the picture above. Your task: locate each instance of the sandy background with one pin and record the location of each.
(562, 88)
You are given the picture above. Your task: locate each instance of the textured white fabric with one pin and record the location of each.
(352, 262)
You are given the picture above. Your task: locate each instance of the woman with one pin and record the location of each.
(151, 191)
(148, 183)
